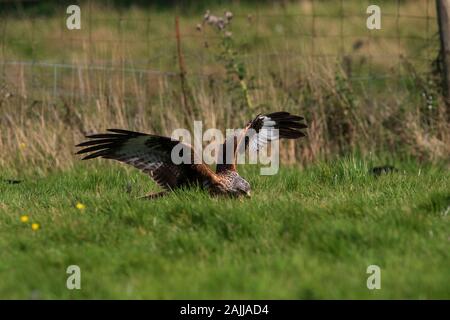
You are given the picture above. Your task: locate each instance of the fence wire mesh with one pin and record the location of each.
(135, 51)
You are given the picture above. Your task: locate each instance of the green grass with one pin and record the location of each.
(305, 233)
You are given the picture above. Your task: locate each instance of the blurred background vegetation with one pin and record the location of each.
(361, 91)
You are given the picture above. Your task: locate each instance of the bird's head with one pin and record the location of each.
(241, 187)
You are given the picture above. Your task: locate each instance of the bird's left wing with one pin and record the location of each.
(150, 153)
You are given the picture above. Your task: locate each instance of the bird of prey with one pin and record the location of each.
(152, 154)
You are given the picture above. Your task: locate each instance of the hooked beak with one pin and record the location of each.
(248, 194)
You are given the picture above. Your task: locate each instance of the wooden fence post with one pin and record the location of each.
(443, 13)
(182, 67)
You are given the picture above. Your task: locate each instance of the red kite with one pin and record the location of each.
(152, 154)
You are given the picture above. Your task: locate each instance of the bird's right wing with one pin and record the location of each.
(150, 153)
(263, 129)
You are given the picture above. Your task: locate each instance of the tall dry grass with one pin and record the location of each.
(41, 120)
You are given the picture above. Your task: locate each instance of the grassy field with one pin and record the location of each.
(305, 233)
(309, 232)
(361, 90)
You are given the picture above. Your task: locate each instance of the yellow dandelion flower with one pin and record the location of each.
(24, 219)
(80, 206)
(22, 146)
(35, 226)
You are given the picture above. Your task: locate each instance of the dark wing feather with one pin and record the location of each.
(258, 133)
(149, 153)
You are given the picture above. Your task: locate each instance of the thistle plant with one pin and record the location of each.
(237, 78)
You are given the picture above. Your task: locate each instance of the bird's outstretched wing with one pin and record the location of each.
(149, 153)
(258, 133)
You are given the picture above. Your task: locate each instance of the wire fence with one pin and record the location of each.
(131, 50)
